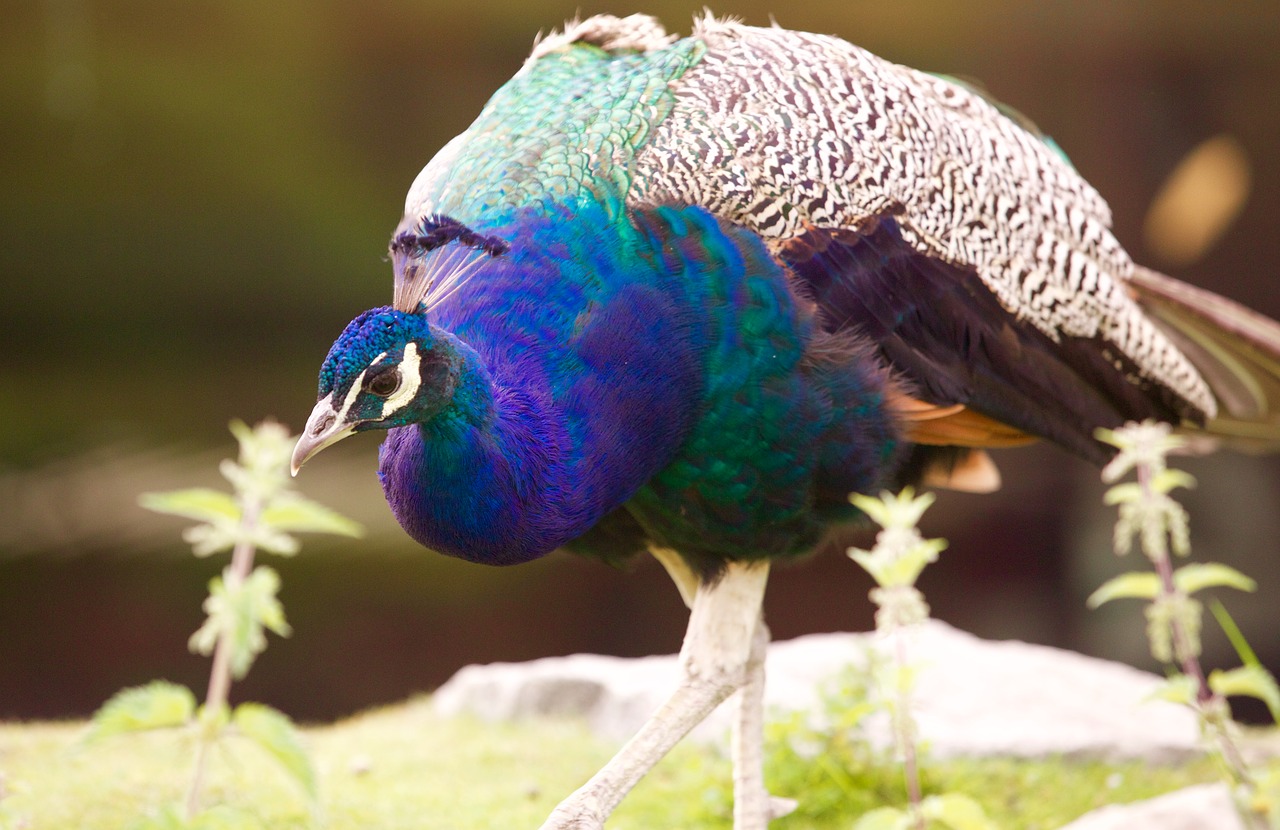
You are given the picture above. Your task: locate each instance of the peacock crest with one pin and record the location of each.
(435, 257)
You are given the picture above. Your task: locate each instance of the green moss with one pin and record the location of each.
(403, 767)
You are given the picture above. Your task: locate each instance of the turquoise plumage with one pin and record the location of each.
(687, 295)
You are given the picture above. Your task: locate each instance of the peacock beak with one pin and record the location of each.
(324, 427)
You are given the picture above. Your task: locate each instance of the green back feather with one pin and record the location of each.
(565, 129)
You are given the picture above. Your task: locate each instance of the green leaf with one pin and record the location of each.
(240, 612)
(263, 468)
(199, 503)
(1108, 436)
(1169, 479)
(276, 735)
(891, 569)
(242, 432)
(293, 513)
(1251, 681)
(1177, 689)
(206, 540)
(157, 705)
(883, 818)
(1234, 634)
(273, 541)
(1126, 493)
(1132, 585)
(1200, 575)
(957, 811)
(1167, 613)
(889, 510)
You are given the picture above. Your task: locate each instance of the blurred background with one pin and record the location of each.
(196, 197)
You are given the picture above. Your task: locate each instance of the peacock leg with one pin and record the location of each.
(724, 626)
(753, 806)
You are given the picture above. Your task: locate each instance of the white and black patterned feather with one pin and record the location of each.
(782, 131)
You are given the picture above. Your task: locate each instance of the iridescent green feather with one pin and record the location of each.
(564, 130)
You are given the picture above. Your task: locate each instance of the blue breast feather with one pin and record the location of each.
(659, 362)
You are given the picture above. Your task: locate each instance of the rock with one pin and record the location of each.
(1202, 807)
(972, 697)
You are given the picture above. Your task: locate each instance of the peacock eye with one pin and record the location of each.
(384, 383)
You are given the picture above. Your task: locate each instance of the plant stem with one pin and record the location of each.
(906, 742)
(1208, 703)
(220, 674)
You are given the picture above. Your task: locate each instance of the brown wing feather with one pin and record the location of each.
(946, 336)
(1236, 350)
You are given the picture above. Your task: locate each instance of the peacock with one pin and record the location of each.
(685, 295)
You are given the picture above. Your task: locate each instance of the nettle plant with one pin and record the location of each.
(261, 514)
(895, 562)
(1149, 514)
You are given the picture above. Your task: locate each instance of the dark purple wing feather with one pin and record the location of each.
(951, 340)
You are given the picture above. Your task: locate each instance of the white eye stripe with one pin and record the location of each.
(350, 399)
(356, 388)
(410, 380)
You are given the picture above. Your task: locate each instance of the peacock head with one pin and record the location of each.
(389, 368)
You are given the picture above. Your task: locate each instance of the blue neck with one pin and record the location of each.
(473, 483)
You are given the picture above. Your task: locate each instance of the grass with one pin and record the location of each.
(404, 767)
